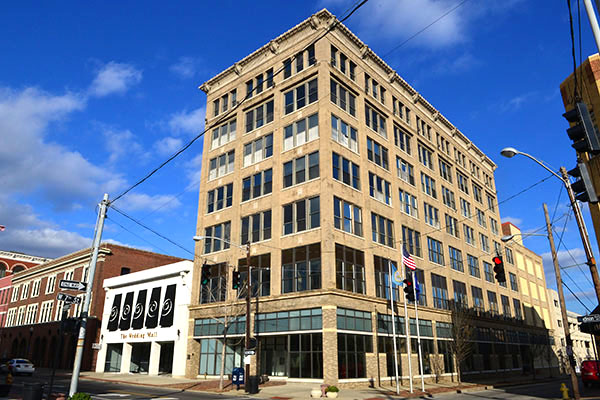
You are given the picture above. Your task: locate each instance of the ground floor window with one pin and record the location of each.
(351, 355)
(445, 349)
(385, 345)
(140, 358)
(210, 355)
(114, 351)
(294, 355)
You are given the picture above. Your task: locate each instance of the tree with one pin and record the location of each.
(461, 330)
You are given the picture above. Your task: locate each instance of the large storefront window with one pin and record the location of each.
(351, 355)
(114, 352)
(297, 320)
(295, 355)
(301, 268)
(210, 355)
(215, 326)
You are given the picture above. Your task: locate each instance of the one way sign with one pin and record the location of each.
(73, 285)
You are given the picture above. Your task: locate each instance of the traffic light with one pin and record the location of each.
(408, 289)
(236, 280)
(205, 276)
(499, 269)
(583, 188)
(582, 133)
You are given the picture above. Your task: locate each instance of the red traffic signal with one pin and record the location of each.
(499, 269)
(497, 261)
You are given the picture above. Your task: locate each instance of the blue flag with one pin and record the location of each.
(396, 276)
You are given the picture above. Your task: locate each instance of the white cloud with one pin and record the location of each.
(114, 78)
(168, 146)
(141, 201)
(188, 121)
(566, 258)
(120, 143)
(35, 164)
(194, 172)
(186, 67)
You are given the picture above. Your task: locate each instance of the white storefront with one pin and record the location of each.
(145, 321)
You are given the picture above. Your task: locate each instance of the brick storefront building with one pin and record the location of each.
(32, 322)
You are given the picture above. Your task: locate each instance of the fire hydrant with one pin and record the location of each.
(565, 391)
(9, 378)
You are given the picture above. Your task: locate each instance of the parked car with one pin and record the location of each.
(590, 372)
(18, 366)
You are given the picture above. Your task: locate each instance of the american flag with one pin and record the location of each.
(2, 228)
(408, 260)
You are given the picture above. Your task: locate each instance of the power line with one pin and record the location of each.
(228, 113)
(575, 90)
(424, 28)
(574, 295)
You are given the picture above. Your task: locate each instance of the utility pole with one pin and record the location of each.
(591, 262)
(563, 308)
(88, 295)
(247, 344)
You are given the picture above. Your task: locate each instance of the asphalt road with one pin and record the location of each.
(113, 390)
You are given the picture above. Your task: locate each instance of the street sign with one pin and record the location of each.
(72, 285)
(68, 299)
(588, 319)
(249, 352)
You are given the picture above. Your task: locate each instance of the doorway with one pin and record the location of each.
(165, 364)
(140, 358)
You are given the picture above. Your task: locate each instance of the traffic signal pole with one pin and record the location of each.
(247, 341)
(591, 261)
(563, 307)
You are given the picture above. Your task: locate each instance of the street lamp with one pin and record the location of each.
(248, 285)
(510, 152)
(508, 238)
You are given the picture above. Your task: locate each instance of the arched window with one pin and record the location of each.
(3, 269)
(18, 268)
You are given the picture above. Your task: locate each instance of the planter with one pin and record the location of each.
(315, 393)
(332, 395)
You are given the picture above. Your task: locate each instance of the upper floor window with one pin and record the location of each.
(35, 290)
(469, 235)
(436, 251)
(485, 243)
(425, 156)
(452, 226)
(380, 189)
(301, 215)
(487, 272)
(405, 171)
(50, 284)
(347, 216)
(509, 255)
(223, 103)
(217, 238)
(463, 182)
(460, 158)
(494, 226)
(346, 171)
(343, 97)
(375, 120)
(448, 198)
(301, 96)
(301, 169)
(465, 208)
(445, 170)
(342, 63)
(219, 198)
(477, 193)
(344, 134)
(216, 288)
(221, 165)
(259, 116)
(260, 278)
(256, 85)
(373, 88)
(513, 281)
(493, 300)
(300, 132)
(377, 153)
(491, 203)
(258, 150)
(489, 182)
(25, 290)
(400, 110)
(383, 230)
(296, 64)
(460, 294)
(256, 227)
(223, 135)
(350, 269)
(257, 185)
(411, 240)
(473, 266)
(477, 295)
(408, 203)
(443, 144)
(301, 268)
(432, 215)
(428, 185)
(456, 261)
(439, 291)
(423, 129)
(402, 139)
(481, 218)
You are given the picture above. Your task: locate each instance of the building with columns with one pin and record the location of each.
(328, 163)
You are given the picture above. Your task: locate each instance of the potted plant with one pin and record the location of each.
(332, 391)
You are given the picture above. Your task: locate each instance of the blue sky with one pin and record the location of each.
(94, 95)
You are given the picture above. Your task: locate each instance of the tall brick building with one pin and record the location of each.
(32, 323)
(328, 169)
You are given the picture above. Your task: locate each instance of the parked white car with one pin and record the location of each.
(18, 366)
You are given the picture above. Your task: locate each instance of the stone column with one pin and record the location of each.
(330, 356)
(154, 358)
(126, 358)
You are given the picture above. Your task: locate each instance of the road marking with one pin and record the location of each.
(112, 395)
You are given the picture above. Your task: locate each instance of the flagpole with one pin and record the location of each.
(414, 274)
(407, 330)
(393, 328)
